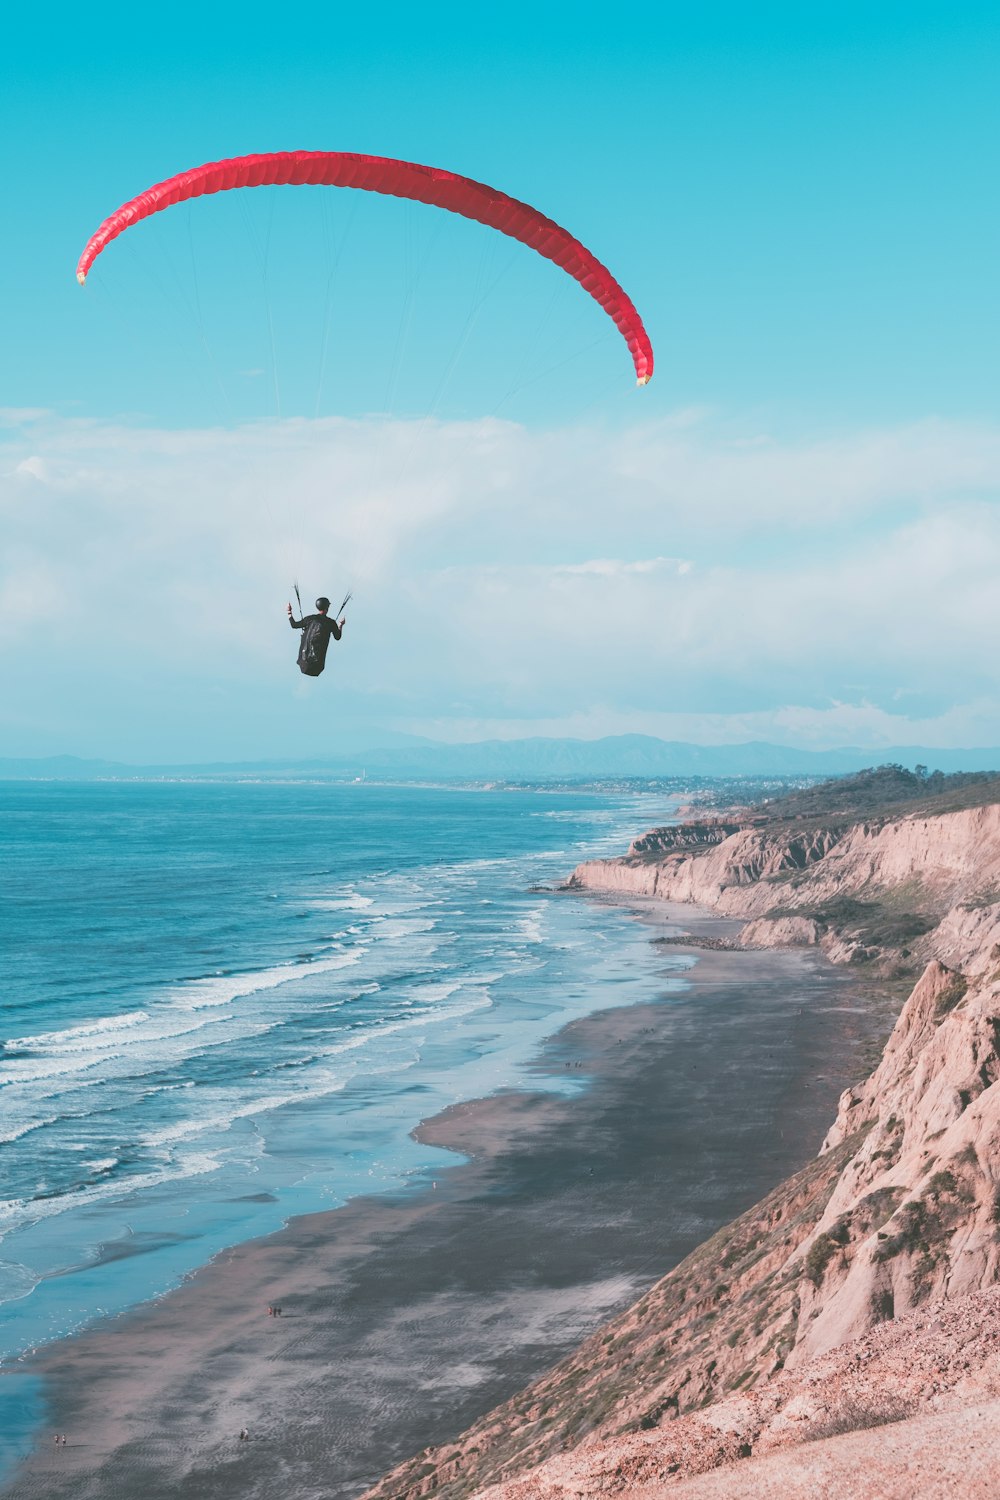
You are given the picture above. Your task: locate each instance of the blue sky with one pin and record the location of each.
(791, 534)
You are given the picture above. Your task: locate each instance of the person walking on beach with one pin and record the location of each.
(317, 631)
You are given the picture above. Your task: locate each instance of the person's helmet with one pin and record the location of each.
(322, 603)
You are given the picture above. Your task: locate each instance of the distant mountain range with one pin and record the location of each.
(623, 755)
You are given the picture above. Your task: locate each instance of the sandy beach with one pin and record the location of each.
(404, 1318)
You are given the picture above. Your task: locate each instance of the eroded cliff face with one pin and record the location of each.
(953, 858)
(862, 1275)
(927, 885)
(933, 1152)
(725, 874)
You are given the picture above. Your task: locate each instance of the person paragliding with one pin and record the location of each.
(317, 631)
(411, 181)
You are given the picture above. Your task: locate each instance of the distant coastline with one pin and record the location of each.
(628, 756)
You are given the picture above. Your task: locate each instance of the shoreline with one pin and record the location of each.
(430, 1307)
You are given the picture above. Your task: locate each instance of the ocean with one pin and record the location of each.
(226, 1004)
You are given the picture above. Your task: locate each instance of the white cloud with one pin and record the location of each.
(610, 567)
(685, 573)
(21, 416)
(33, 468)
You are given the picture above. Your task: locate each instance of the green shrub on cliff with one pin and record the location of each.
(821, 1252)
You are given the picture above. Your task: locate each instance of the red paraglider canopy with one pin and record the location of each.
(401, 179)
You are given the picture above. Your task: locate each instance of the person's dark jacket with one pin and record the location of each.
(316, 632)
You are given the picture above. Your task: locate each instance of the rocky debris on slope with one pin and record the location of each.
(935, 1456)
(700, 940)
(936, 1361)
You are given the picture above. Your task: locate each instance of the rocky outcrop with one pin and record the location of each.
(781, 932)
(681, 836)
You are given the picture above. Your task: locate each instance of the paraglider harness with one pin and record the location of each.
(316, 633)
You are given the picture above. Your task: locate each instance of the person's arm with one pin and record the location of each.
(293, 622)
(337, 627)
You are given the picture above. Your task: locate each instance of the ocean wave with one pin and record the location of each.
(48, 1041)
(102, 1166)
(14, 1212)
(530, 924)
(16, 1281)
(202, 994)
(15, 1132)
(323, 1082)
(388, 929)
(462, 866)
(352, 902)
(146, 1050)
(59, 1055)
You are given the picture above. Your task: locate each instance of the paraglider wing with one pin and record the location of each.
(400, 179)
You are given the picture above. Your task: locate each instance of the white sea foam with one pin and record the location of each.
(393, 926)
(104, 1164)
(435, 991)
(221, 1120)
(15, 1132)
(352, 902)
(464, 866)
(530, 924)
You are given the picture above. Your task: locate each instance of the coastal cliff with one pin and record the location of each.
(863, 1291)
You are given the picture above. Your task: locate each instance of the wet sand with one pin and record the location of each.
(404, 1318)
